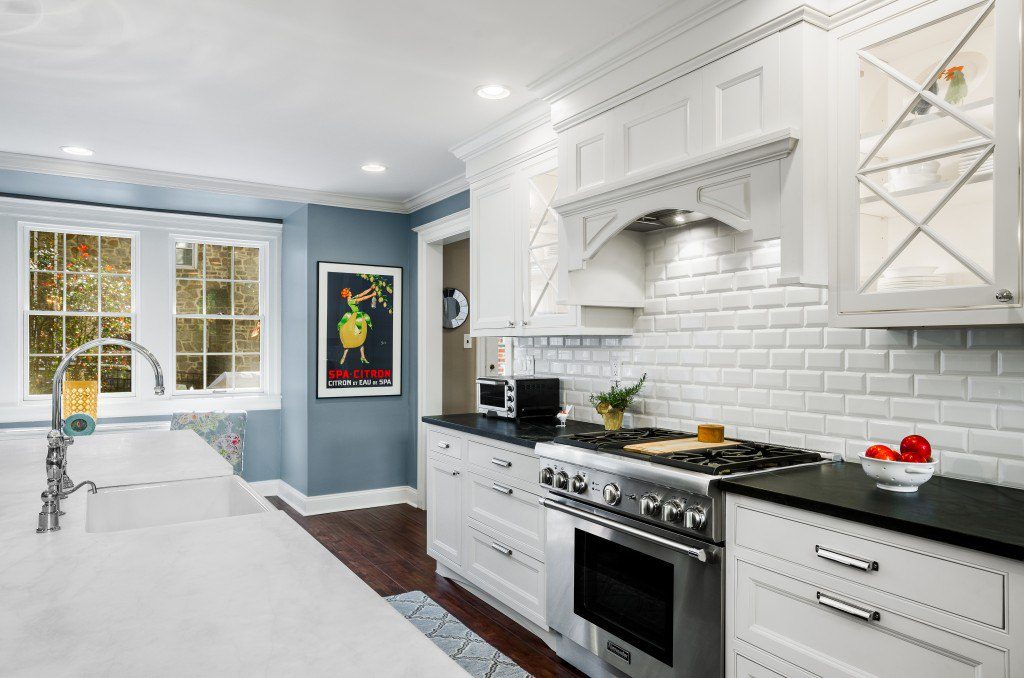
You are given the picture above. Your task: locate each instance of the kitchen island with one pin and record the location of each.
(248, 595)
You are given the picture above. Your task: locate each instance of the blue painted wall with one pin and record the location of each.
(366, 442)
(297, 356)
(441, 208)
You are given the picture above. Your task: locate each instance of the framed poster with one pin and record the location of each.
(359, 330)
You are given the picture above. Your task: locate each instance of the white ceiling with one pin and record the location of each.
(295, 94)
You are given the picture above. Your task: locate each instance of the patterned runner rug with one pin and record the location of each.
(468, 650)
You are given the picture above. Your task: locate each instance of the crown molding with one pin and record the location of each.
(519, 121)
(660, 28)
(445, 189)
(133, 175)
(645, 35)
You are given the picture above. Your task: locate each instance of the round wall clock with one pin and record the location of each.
(455, 309)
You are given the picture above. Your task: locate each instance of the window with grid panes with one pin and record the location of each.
(79, 289)
(218, 317)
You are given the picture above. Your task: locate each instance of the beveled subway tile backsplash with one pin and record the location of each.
(720, 342)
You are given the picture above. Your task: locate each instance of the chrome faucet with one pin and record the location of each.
(58, 484)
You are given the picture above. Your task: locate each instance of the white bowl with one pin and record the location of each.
(897, 476)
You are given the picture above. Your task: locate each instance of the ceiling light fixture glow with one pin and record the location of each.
(492, 91)
(77, 150)
(374, 167)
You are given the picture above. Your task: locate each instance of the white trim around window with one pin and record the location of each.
(153, 237)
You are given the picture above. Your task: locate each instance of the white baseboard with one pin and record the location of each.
(341, 501)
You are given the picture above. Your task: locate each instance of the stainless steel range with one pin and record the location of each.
(635, 548)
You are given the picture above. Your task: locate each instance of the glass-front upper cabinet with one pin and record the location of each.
(928, 187)
(540, 252)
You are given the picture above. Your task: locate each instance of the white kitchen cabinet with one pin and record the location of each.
(927, 116)
(444, 510)
(493, 255)
(537, 183)
(808, 594)
(485, 523)
(516, 265)
(514, 252)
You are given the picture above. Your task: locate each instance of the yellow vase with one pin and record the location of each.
(612, 417)
(351, 336)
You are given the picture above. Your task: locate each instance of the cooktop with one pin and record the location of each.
(741, 457)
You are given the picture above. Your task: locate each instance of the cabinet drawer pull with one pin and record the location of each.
(848, 608)
(501, 488)
(501, 549)
(504, 463)
(455, 473)
(444, 446)
(845, 559)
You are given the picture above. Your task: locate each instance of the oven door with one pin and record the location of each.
(645, 600)
(490, 396)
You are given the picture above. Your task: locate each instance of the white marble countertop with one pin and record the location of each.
(250, 595)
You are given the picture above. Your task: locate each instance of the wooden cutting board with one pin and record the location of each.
(678, 445)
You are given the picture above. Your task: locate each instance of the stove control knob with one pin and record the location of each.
(579, 484)
(546, 476)
(611, 493)
(672, 511)
(694, 518)
(561, 480)
(650, 504)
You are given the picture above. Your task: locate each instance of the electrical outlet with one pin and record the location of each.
(616, 368)
(467, 341)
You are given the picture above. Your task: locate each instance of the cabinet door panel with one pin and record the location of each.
(740, 94)
(792, 619)
(538, 183)
(493, 246)
(928, 179)
(444, 511)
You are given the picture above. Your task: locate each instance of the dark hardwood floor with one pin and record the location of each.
(387, 548)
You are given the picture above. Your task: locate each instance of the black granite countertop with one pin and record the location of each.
(977, 516)
(527, 432)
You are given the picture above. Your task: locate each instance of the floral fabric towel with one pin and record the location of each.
(224, 431)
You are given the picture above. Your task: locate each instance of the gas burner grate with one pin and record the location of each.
(746, 457)
(624, 436)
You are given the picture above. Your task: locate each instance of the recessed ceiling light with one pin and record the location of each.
(492, 91)
(76, 150)
(374, 167)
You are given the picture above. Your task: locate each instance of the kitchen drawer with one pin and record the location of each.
(513, 465)
(441, 441)
(510, 511)
(505, 572)
(958, 588)
(745, 668)
(788, 617)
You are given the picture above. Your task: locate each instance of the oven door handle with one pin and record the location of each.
(698, 554)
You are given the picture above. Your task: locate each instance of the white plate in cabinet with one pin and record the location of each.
(515, 465)
(832, 634)
(444, 514)
(959, 588)
(505, 572)
(510, 511)
(442, 441)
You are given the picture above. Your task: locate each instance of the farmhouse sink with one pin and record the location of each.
(185, 501)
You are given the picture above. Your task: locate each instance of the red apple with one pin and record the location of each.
(916, 449)
(882, 452)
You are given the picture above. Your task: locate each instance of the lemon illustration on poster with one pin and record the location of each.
(359, 330)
